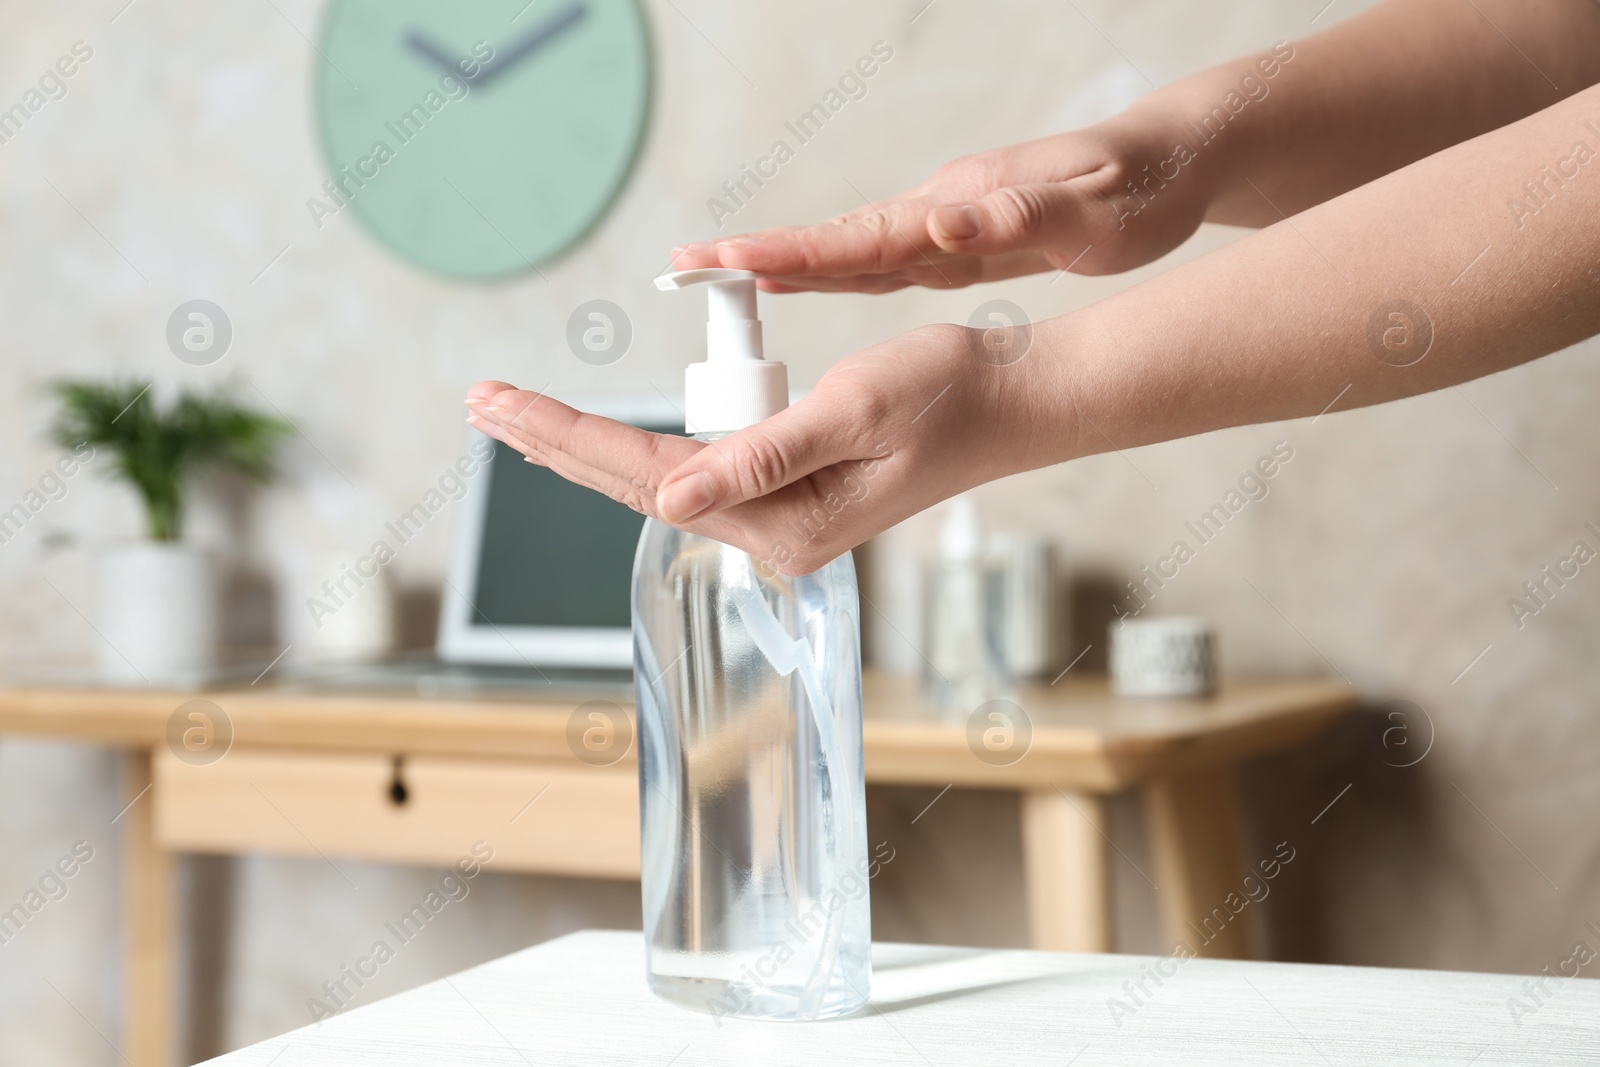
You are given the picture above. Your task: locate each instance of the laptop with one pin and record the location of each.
(537, 600)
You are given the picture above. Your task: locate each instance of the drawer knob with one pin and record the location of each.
(398, 793)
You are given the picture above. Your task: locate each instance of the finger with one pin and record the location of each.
(604, 445)
(887, 239)
(702, 254)
(634, 486)
(946, 272)
(860, 283)
(480, 393)
(506, 417)
(530, 449)
(955, 271)
(760, 459)
(766, 285)
(1015, 218)
(695, 255)
(636, 491)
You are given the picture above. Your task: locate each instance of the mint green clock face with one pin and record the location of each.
(480, 138)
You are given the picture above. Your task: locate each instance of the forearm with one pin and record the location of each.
(1292, 321)
(1366, 97)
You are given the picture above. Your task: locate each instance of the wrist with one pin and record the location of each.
(1215, 125)
(1046, 398)
(1160, 162)
(1101, 381)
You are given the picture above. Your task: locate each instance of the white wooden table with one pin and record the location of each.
(581, 999)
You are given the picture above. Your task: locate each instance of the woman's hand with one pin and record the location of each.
(1246, 143)
(1092, 201)
(886, 433)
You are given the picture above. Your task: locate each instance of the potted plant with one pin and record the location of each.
(158, 610)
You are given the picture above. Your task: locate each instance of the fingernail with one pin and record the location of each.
(496, 408)
(474, 419)
(693, 248)
(685, 498)
(745, 241)
(961, 222)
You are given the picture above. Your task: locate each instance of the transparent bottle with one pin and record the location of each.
(752, 797)
(751, 794)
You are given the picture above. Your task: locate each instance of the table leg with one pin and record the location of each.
(147, 918)
(1194, 825)
(1064, 855)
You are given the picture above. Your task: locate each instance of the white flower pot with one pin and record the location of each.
(158, 614)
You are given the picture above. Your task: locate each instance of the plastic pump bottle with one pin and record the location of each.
(752, 799)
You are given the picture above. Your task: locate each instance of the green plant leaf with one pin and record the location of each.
(159, 451)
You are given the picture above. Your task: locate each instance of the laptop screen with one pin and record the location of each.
(551, 553)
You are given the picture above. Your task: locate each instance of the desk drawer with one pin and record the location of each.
(556, 818)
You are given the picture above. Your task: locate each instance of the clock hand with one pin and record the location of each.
(426, 48)
(536, 39)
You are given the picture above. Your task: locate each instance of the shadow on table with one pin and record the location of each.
(906, 977)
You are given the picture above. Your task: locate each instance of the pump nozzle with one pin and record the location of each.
(735, 386)
(732, 293)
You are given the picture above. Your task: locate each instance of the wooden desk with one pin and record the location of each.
(582, 999)
(309, 772)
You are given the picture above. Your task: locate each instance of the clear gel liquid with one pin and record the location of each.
(753, 804)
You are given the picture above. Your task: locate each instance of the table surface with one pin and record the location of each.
(582, 999)
(1083, 735)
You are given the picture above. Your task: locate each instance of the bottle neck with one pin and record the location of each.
(715, 435)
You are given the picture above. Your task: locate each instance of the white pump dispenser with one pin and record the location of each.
(736, 386)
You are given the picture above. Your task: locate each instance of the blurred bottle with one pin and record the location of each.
(1027, 566)
(964, 616)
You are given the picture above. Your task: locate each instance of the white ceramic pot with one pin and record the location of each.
(158, 614)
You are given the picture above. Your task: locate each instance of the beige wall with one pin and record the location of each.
(1385, 553)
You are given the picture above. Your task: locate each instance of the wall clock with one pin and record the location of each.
(480, 138)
